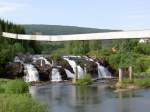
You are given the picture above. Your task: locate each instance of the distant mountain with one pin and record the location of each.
(62, 30)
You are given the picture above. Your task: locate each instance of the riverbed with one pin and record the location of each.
(65, 97)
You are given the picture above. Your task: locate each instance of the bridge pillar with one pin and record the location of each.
(120, 76)
(130, 73)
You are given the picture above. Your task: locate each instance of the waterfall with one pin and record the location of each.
(69, 74)
(55, 76)
(31, 73)
(17, 59)
(103, 71)
(80, 71)
(38, 57)
(74, 66)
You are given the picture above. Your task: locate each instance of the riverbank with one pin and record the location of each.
(15, 97)
(126, 85)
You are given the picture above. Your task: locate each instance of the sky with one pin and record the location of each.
(103, 14)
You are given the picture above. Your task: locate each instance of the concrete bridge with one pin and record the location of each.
(91, 36)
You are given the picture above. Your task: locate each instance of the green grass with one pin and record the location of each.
(19, 103)
(85, 80)
(15, 86)
(14, 97)
(138, 82)
(145, 83)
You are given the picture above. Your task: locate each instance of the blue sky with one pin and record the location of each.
(111, 14)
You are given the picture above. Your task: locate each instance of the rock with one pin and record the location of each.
(43, 69)
(63, 74)
(64, 64)
(14, 70)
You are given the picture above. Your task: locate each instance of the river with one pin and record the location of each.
(64, 97)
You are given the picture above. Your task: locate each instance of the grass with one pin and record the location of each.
(85, 80)
(136, 83)
(14, 97)
(144, 83)
(15, 86)
(19, 103)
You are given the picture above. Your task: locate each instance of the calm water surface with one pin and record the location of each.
(62, 97)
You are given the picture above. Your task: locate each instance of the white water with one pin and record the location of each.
(69, 74)
(80, 72)
(17, 59)
(102, 71)
(38, 57)
(55, 77)
(73, 64)
(31, 73)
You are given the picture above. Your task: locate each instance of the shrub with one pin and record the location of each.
(142, 82)
(16, 86)
(56, 57)
(143, 48)
(85, 80)
(19, 103)
(142, 64)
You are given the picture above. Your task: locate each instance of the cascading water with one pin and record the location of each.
(31, 73)
(69, 74)
(17, 59)
(55, 75)
(80, 71)
(73, 64)
(102, 71)
(38, 57)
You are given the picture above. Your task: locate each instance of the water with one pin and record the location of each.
(31, 73)
(39, 57)
(102, 71)
(74, 66)
(69, 74)
(68, 98)
(55, 77)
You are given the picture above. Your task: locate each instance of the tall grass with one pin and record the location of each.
(16, 86)
(14, 97)
(19, 103)
(85, 80)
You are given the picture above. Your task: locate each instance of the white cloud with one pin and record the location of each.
(9, 7)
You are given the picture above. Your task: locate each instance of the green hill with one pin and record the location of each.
(62, 30)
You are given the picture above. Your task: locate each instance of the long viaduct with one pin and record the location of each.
(90, 36)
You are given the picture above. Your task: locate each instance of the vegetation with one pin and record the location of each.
(14, 97)
(85, 80)
(61, 30)
(16, 86)
(135, 84)
(13, 47)
(19, 103)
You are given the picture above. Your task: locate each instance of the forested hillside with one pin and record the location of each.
(62, 30)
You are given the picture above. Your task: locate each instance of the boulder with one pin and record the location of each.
(14, 70)
(43, 69)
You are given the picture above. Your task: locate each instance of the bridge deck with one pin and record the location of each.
(90, 36)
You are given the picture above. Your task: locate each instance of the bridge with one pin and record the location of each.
(90, 36)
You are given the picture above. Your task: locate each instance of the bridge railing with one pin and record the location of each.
(90, 36)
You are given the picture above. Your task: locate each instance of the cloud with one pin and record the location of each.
(9, 7)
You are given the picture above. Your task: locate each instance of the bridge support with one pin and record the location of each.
(130, 74)
(120, 76)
